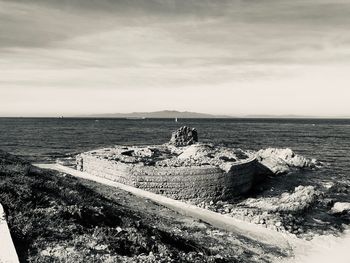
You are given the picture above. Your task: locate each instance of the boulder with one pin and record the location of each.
(184, 136)
(301, 198)
(280, 161)
(340, 207)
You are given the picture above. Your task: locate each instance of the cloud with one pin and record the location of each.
(179, 31)
(164, 47)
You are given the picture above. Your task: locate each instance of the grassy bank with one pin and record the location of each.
(57, 218)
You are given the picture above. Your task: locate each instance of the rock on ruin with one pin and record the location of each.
(184, 136)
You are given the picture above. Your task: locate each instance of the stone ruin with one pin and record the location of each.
(180, 169)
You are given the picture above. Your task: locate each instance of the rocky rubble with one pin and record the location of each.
(301, 198)
(281, 161)
(282, 213)
(168, 155)
(200, 154)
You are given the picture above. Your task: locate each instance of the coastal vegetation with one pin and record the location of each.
(54, 217)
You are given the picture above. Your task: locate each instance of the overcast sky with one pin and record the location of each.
(233, 57)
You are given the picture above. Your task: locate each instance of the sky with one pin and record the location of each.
(238, 57)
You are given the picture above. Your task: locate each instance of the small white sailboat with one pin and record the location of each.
(175, 119)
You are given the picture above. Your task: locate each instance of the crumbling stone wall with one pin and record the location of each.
(180, 169)
(195, 182)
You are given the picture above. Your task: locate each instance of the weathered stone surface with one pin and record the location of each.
(184, 136)
(281, 161)
(197, 171)
(301, 198)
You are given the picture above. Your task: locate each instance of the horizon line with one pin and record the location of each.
(219, 117)
(204, 115)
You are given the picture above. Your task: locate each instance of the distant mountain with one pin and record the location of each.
(292, 116)
(196, 115)
(287, 116)
(157, 114)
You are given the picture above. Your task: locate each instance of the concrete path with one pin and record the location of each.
(225, 222)
(8, 252)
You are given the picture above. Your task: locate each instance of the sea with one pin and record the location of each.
(43, 140)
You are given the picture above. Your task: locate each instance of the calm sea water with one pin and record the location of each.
(44, 139)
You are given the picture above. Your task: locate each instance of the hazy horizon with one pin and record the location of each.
(110, 115)
(238, 58)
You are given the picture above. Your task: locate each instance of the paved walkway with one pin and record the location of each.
(7, 250)
(225, 222)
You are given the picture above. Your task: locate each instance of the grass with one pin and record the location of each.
(54, 217)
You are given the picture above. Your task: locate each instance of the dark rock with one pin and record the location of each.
(328, 202)
(339, 188)
(184, 136)
(128, 153)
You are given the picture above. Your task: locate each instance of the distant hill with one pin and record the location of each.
(292, 116)
(157, 114)
(195, 115)
(287, 116)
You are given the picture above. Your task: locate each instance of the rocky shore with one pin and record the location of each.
(305, 211)
(281, 213)
(290, 211)
(302, 210)
(281, 161)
